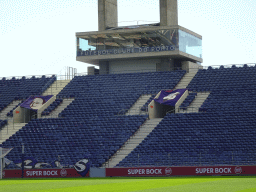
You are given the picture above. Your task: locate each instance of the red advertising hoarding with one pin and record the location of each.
(181, 171)
(39, 173)
(137, 172)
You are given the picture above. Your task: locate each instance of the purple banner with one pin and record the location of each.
(35, 102)
(170, 97)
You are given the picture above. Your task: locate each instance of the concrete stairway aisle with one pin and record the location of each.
(186, 79)
(135, 109)
(196, 103)
(6, 110)
(55, 113)
(10, 129)
(133, 142)
(56, 87)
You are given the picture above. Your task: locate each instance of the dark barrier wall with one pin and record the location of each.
(39, 173)
(179, 171)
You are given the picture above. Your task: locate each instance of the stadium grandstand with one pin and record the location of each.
(113, 115)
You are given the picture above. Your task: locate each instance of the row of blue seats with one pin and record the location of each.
(20, 89)
(106, 95)
(200, 141)
(52, 106)
(72, 137)
(3, 123)
(95, 132)
(230, 88)
(188, 100)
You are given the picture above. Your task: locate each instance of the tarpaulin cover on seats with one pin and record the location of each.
(170, 97)
(35, 102)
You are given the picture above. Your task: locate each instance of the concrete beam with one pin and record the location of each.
(168, 12)
(107, 14)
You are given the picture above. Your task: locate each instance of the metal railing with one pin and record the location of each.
(229, 65)
(27, 77)
(72, 72)
(188, 110)
(69, 74)
(137, 111)
(53, 78)
(58, 83)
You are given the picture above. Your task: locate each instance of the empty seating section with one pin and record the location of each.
(188, 100)
(73, 139)
(223, 132)
(231, 88)
(15, 89)
(107, 95)
(89, 127)
(199, 139)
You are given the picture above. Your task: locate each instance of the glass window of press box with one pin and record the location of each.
(183, 41)
(190, 44)
(128, 40)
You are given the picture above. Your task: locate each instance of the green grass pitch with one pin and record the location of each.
(152, 184)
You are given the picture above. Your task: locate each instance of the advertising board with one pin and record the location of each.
(42, 173)
(181, 171)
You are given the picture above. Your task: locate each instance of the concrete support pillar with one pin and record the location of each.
(107, 14)
(21, 115)
(104, 67)
(165, 65)
(168, 12)
(91, 70)
(190, 66)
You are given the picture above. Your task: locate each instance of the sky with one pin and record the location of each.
(37, 37)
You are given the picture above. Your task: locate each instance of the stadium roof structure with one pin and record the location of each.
(160, 41)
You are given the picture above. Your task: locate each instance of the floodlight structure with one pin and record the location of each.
(153, 47)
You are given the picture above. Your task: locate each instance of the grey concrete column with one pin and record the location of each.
(190, 66)
(168, 12)
(104, 67)
(165, 65)
(107, 14)
(91, 70)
